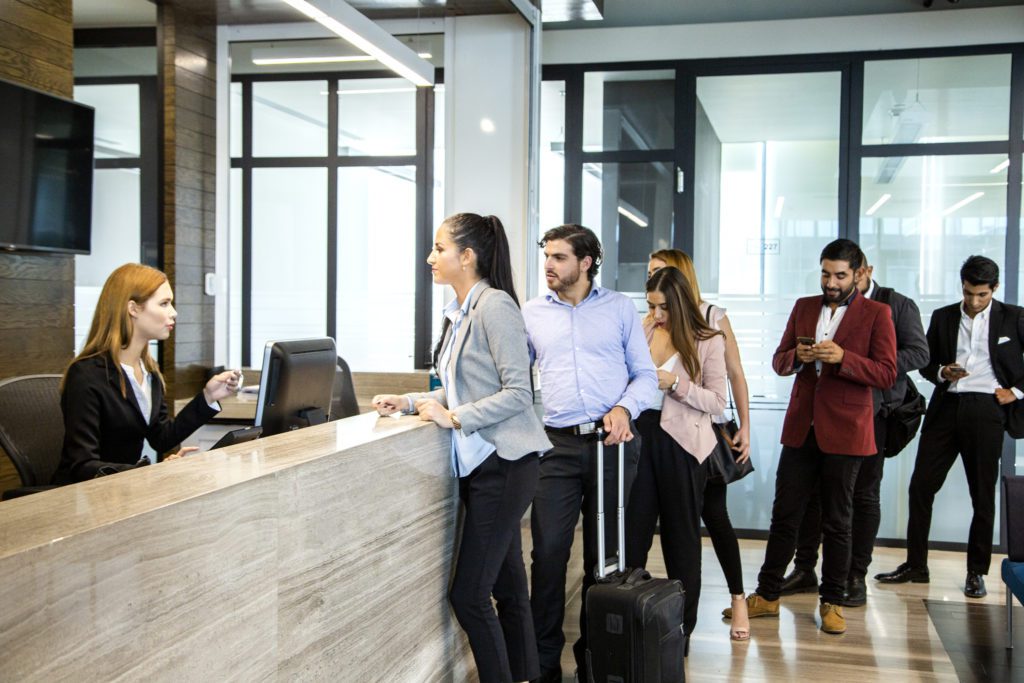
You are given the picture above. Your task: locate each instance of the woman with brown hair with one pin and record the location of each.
(715, 513)
(676, 433)
(112, 394)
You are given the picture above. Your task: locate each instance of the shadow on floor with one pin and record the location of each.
(974, 636)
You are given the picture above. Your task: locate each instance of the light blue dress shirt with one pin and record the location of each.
(467, 451)
(592, 356)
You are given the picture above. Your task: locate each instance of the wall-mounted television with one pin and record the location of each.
(46, 147)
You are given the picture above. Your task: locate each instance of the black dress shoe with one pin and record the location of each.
(856, 592)
(904, 573)
(799, 581)
(974, 586)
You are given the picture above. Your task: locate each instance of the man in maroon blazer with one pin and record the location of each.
(839, 345)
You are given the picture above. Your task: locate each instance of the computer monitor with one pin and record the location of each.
(296, 384)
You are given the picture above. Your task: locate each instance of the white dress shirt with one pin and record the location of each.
(144, 397)
(828, 323)
(973, 356)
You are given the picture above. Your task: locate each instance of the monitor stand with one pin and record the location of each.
(313, 416)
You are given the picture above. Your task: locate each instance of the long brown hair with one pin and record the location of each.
(686, 325)
(112, 328)
(680, 260)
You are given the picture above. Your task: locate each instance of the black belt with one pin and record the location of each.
(585, 429)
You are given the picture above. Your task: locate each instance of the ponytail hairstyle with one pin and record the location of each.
(686, 324)
(485, 235)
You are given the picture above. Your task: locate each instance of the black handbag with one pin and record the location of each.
(902, 423)
(722, 465)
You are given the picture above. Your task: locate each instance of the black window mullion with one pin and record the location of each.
(851, 126)
(922, 149)
(246, 165)
(424, 225)
(1013, 179)
(573, 207)
(684, 203)
(332, 207)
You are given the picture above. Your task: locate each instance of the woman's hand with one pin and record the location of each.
(741, 444)
(386, 404)
(182, 452)
(666, 380)
(432, 411)
(223, 385)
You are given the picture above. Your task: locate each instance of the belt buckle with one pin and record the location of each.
(586, 429)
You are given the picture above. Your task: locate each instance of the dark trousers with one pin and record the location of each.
(496, 495)
(969, 425)
(867, 515)
(800, 472)
(568, 485)
(723, 537)
(669, 486)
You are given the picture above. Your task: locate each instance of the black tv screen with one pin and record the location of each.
(46, 146)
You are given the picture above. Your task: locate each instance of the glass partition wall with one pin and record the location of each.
(752, 166)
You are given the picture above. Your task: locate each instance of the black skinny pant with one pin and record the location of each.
(670, 486)
(496, 495)
(801, 471)
(723, 537)
(969, 425)
(867, 515)
(567, 486)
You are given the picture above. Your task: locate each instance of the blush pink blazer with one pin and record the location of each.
(686, 414)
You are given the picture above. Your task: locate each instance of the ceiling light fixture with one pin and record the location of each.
(334, 59)
(1001, 166)
(963, 202)
(778, 206)
(877, 205)
(354, 27)
(632, 213)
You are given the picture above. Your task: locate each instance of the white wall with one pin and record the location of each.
(798, 36)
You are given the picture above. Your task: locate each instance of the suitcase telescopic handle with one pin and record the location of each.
(602, 557)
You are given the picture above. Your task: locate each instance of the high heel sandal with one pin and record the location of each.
(739, 629)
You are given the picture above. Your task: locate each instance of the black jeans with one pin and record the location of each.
(669, 486)
(567, 486)
(802, 471)
(969, 425)
(867, 515)
(496, 495)
(723, 537)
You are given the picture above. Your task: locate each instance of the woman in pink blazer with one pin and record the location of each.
(676, 433)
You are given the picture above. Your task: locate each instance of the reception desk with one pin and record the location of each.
(324, 554)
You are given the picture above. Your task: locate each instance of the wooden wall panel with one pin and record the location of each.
(188, 74)
(37, 291)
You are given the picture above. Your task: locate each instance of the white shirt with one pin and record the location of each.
(828, 323)
(144, 397)
(973, 356)
(656, 400)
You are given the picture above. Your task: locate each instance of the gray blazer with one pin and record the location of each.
(491, 370)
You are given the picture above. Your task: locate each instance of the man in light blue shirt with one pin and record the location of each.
(595, 372)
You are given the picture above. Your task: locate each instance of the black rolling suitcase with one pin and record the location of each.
(634, 622)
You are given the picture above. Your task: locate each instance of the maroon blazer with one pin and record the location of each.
(839, 402)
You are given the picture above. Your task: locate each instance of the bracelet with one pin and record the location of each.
(675, 385)
(455, 421)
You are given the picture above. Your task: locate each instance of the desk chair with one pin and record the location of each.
(343, 398)
(1013, 565)
(31, 430)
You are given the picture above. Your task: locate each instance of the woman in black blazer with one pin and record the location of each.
(112, 394)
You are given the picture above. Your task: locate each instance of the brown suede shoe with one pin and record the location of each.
(756, 607)
(832, 619)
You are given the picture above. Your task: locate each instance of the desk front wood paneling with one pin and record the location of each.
(324, 554)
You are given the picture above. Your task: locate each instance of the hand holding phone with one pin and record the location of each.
(953, 372)
(805, 341)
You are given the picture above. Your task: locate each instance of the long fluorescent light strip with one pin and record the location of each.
(1005, 164)
(778, 206)
(278, 61)
(632, 216)
(351, 36)
(877, 205)
(963, 202)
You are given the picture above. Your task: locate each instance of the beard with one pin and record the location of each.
(837, 296)
(563, 283)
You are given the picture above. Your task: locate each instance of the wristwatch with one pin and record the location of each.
(675, 385)
(455, 421)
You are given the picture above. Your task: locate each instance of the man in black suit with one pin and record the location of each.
(978, 371)
(911, 354)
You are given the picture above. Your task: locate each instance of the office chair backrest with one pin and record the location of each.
(1013, 487)
(343, 400)
(32, 426)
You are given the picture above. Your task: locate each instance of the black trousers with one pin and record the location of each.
(867, 515)
(669, 486)
(496, 495)
(567, 486)
(802, 471)
(969, 425)
(723, 537)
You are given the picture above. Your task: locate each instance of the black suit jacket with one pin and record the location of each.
(104, 428)
(911, 347)
(1005, 320)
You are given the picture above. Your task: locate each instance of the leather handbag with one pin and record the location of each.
(722, 464)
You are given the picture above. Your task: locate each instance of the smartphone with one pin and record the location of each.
(806, 341)
(957, 371)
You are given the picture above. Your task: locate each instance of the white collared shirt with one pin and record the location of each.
(828, 323)
(972, 355)
(144, 397)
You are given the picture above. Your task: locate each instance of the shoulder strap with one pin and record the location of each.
(707, 314)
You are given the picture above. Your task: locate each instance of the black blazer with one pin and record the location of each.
(103, 428)
(911, 346)
(1005, 320)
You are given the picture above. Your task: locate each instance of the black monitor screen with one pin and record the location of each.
(296, 384)
(46, 166)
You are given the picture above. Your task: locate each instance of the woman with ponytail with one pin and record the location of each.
(486, 403)
(112, 394)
